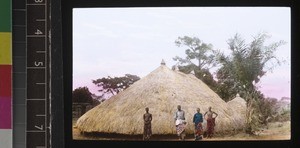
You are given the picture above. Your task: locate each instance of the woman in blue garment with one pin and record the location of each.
(197, 120)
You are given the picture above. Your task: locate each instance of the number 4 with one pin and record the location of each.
(38, 32)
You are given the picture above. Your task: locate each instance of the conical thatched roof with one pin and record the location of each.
(161, 90)
(239, 105)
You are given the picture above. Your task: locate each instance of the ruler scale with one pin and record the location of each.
(37, 68)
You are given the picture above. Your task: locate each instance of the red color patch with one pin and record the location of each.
(5, 80)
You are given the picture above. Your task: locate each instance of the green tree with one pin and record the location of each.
(268, 109)
(244, 67)
(82, 95)
(203, 74)
(198, 53)
(114, 85)
(200, 57)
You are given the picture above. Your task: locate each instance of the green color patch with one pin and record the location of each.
(5, 16)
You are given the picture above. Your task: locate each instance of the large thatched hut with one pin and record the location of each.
(161, 91)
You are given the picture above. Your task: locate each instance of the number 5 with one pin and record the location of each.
(37, 64)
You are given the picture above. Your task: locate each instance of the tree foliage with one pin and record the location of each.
(267, 109)
(239, 71)
(244, 67)
(197, 52)
(200, 57)
(202, 74)
(114, 85)
(247, 63)
(82, 95)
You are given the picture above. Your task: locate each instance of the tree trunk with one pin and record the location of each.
(111, 92)
(249, 115)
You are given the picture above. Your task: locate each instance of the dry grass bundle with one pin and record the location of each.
(161, 91)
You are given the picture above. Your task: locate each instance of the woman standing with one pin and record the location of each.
(198, 119)
(210, 122)
(147, 124)
(180, 122)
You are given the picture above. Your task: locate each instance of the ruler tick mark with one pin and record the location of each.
(19, 9)
(35, 4)
(35, 67)
(40, 20)
(19, 42)
(35, 99)
(40, 83)
(40, 115)
(37, 36)
(32, 131)
(19, 25)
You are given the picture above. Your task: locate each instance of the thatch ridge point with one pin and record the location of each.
(162, 62)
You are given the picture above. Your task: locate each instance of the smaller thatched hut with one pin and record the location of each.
(238, 105)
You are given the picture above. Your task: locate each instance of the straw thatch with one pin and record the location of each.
(239, 106)
(161, 90)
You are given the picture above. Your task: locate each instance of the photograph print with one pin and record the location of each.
(181, 73)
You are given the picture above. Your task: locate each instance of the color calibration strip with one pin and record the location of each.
(5, 74)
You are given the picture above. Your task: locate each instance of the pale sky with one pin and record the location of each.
(117, 41)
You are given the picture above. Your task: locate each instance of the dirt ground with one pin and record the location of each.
(275, 131)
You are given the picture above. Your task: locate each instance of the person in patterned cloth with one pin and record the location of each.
(180, 123)
(147, 125)
(210, 122)
(197, 120)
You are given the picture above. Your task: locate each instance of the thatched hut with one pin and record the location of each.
(239, 106)
(161, 91)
